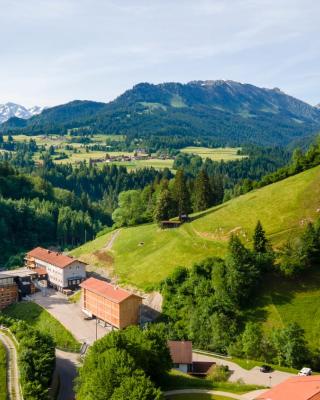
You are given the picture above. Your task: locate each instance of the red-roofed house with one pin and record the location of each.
(63, 271)
(111, 304)
(295, 388)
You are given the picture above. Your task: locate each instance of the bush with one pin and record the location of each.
(219, 373)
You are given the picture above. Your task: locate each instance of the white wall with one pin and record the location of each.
(59, 276)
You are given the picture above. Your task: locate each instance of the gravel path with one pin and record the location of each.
(114, 236)
(12, 368)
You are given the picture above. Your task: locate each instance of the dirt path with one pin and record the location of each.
(12, 368)
(114, 236)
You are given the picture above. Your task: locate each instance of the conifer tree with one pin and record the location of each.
(260, 242)
(181, 194)
(202, 192)
(164, 207)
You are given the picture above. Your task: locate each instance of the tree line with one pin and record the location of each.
(130, 362)
(36, 358)
(163, 200)
(211, 304)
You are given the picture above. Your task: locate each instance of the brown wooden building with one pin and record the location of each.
(111, 304)
(8, 290)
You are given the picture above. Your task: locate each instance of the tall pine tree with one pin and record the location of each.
(164, 206)
(181, 194)
(202, 192)
(260, 242)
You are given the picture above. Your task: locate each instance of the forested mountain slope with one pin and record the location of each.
(215, 112)
(144, 255)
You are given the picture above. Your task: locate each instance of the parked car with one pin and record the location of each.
(265, 368)
(305, 372)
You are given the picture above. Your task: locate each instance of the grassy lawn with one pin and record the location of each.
(179, 380)
(40, 319)
(197, 396)
(217, 154)
(144, 255)
(3, 373)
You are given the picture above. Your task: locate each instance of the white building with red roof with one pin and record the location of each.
(64, 272)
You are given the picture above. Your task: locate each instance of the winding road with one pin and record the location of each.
(246, 396)
(12, 368)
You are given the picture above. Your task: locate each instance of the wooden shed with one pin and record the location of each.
(109, 303)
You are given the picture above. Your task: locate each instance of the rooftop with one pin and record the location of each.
(52, 257)
(295, 388)
(181, 351)
(107, 290)
(22, 272)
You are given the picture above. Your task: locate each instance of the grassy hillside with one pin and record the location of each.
(40, 319)
(144, 255)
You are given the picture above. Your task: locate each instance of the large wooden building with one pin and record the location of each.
(62, 270)
(113, 305)
(8, 290)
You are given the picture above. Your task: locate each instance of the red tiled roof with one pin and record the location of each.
(40, 271)
(105, 289)
(58, 259)
(295, 388)
(181, 351)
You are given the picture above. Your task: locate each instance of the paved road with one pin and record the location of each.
(12, 368)
(70, 315)
(66, 368)
(253, 376)
(246, 396)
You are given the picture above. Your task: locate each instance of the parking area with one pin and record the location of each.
(70, 315)
(253, 376)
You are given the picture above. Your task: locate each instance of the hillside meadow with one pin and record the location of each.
(144, 255)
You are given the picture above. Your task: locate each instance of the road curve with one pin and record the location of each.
(247, 396)
(12, 368)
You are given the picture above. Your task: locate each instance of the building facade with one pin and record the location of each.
(8, 290)
(115, 306)
(63, 272)
(181, 354)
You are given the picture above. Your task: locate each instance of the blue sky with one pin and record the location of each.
(54, 51)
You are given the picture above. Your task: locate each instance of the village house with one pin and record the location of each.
(295, 388)
(181, 355)
(64, 272)
(114, 306)
(8, 290)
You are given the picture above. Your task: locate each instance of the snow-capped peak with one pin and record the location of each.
(10, 110)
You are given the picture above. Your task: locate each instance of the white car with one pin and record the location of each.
(305, 372)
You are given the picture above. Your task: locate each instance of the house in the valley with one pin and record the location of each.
(111, 304)
(8, 290)
(63, 271)
(181, 355)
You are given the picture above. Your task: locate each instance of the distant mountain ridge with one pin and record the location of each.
(10, 110)
(217, 112)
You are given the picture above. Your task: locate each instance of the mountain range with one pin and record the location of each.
(212, 112)
(10, 110)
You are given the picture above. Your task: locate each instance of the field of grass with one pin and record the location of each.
(179, 380)
(138, 164)
(3, 373)
(217, 154)
(144, 255)
(40, 319)
(197, 396)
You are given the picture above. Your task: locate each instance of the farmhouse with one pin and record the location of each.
(181, 355)
(295, 388)
(8, 290)
(63, 271)
(115, 306)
